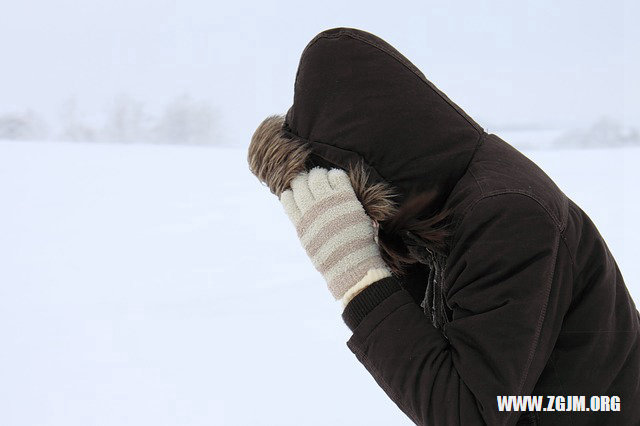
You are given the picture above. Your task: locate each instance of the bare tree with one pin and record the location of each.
(186, 121)
(26, 125)
(606, 132)
(126, 121)
(73, 127)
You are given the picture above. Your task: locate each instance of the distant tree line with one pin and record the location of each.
(606, 132)
(182, 121)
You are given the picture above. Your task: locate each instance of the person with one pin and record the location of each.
(468, 278)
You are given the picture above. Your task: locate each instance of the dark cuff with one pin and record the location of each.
(367, 299)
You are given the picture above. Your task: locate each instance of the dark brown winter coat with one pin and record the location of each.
(525, 298)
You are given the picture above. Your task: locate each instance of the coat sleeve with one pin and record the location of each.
(508, 284)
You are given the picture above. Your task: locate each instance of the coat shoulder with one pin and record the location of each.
(499, 168)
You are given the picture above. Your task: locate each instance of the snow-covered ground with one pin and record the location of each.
(160, 285)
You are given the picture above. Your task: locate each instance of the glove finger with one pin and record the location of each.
(290, 206)
(339, 180)
(319, 183)
(301, 192)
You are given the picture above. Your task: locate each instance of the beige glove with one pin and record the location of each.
(335, 231)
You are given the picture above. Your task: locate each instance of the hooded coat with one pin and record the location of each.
(527, 300)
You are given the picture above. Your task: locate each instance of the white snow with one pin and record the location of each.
(163, 285)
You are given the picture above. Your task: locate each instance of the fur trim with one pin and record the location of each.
(273, 158)
(376, 198)
(276, 159)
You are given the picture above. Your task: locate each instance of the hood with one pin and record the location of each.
(356, 98)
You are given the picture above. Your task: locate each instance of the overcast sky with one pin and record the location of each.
(506, 63)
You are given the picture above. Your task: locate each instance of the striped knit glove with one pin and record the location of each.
(335, 231)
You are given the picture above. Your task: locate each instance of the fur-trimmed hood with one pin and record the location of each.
(361, 106)
(356, 98)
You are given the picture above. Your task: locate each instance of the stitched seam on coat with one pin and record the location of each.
(566, 244)
(549, 278)
(476, 180)
(541, 317)
(561, 224)
(501, 192)
(479, 143)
